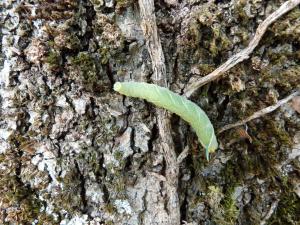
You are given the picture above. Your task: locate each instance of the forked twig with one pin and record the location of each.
(194, 84)
(260, 112)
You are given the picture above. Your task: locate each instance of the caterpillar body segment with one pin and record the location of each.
(186, 109)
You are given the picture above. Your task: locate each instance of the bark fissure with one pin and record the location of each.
(82, 188)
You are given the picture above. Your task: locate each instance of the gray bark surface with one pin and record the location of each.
(72, 151)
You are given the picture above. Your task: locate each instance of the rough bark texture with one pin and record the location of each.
(74, 152)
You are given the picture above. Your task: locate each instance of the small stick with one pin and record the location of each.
(171, 2)
(270, 212)
(260, 112)
(245, 53)
(149, 27)
(150, 31)
(183, 155)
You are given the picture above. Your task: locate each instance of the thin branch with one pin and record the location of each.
(154, 47)
(171, 2)
(245, 53)
(149, 27)
(270, 212)
(260, 113)
(183, 155)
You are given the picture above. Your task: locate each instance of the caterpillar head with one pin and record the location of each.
(117, 86)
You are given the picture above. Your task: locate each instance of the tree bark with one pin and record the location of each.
(72, 151)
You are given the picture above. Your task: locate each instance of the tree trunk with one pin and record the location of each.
(73, 151)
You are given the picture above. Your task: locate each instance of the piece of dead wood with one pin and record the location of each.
(149, 27)
(154, 47)
(194, 84)
(183, 155)
(261, 112)
(171, 2)
(272, 209)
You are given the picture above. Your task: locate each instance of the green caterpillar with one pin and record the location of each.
(187, 110)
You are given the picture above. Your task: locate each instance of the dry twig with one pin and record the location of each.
(171, 2)
(149, 27)
(194, 84)
(183, 155)
(260, 112)
(270, 212)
